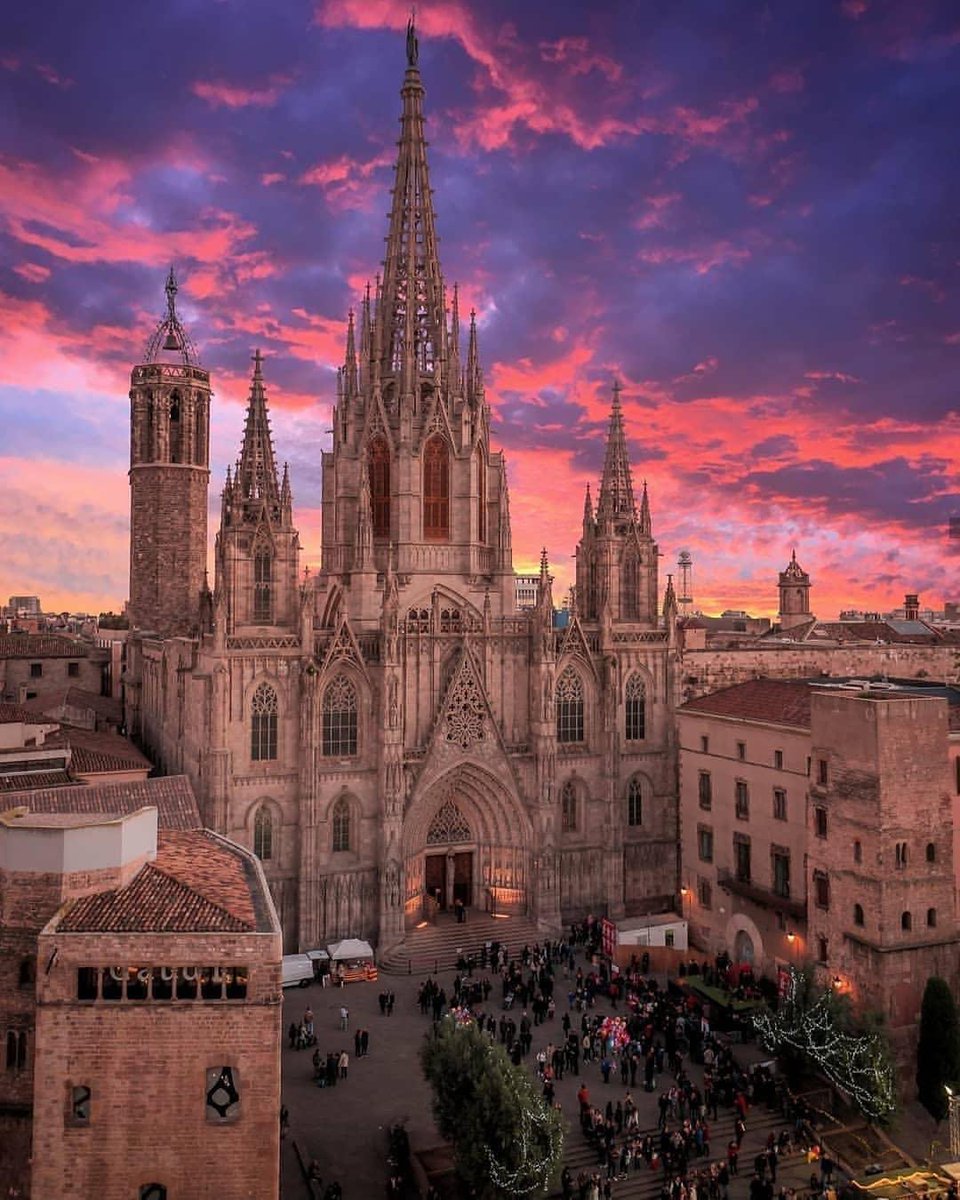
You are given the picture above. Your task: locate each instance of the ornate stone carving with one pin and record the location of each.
(448, 826)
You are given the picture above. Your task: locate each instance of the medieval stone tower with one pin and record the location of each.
(392, 736)
(169, 473)
(794, 587)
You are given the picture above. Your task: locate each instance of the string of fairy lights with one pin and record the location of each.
(859, 1064)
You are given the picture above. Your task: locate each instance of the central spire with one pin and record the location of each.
(410, 313)
(256, 476)
(616, 486)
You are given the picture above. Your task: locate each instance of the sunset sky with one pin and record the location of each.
(747, 211)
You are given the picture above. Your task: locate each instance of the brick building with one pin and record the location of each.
(139, 1000)
(33, 662)
(818, 825)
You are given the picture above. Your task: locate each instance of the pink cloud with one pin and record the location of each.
(790, 79)
(52, 76)
(271, 177)
(576, 55)
(220, 94)
(343, 180)
(32, 272)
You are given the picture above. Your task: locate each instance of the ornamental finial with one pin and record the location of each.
(413, 48)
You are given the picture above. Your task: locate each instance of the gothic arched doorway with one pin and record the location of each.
(466, 837)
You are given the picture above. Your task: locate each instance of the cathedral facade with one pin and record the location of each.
(391, 735)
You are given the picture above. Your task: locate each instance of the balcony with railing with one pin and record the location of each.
(765, 897)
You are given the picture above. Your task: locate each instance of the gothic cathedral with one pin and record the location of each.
(392, 735)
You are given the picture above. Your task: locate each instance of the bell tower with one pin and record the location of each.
(794, 588)
(169, 473)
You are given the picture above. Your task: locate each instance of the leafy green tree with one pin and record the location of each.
(508, 1142)
(938, 1050)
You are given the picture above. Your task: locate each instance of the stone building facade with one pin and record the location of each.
(393, 733)
(139, 1000)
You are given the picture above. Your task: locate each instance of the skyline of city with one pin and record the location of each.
(672, 202)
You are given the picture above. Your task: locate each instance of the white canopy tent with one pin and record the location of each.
(350, 950)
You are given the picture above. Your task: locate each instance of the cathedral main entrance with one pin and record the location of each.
(448, 877)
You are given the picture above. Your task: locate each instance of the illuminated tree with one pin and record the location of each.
(508, 1142)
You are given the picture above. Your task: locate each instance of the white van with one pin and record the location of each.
(297, 970)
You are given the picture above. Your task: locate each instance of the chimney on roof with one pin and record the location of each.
(911, 607)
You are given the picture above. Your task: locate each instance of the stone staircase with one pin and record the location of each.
(435, 947)
(579, 1154)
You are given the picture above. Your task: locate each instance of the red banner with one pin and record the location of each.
(608, 936)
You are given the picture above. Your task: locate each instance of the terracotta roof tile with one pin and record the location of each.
(34, 779)
(206, 862)
(12, 714)
(103, 752)
(41, 645)
(775, 701)
(171, 795)
(154, 902)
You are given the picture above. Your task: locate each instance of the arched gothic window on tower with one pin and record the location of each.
(176, 429)
(635, 709)
(199, 435)
(481, 496)
(635, 802)
(263, 724)
(418, 620)
(147, 428)
(568, 807)
(569, 703)
(436, 489)
(340, 820)
(263, 834)
(378, 471)
(593, 598)
(340, 718)
(630, 587)
(262, 584)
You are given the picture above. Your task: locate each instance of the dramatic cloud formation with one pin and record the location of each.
(748, 217)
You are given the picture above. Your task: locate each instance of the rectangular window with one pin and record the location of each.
(704, 744)
(36, 670)
(820, 821)
(78, 1112)
(779, 804)
(73, 670)
(822, 949)
(741, 750)
(778, 759)
(741, 857)
(705, 843)
(704, 893)
(780, 871)
(822, 774)
(821, 889)
(87, 983)
(705, 790)
(742, 799)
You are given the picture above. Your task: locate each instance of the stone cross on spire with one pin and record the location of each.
(616, 486)
(256, 476)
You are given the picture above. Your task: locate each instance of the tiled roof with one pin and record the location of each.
(154, 902)
(58, 698)
(198, 883)
(12, 714)
(34, 779)
(41, 645)
(171, 795)
(103, 752)
(904, 633)
(774, 701)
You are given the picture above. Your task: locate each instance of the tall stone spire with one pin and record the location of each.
(616, 486)
(255, 482)
(646, 526)
(410, 314)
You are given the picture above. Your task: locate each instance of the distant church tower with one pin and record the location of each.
(794, 595)
(169, 472)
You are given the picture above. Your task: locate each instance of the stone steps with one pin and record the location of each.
(435, 947)
(579, 1154)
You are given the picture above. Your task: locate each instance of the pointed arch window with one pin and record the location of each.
(176, 429)
(436, 489)
(199, 435)
(569, 706)
(635, 802)
(262, 584)
(481, 496)
(263, 724)
(630, 587)
(340, 718)
(568, 807)
(340, 821)
(147, 447)
(635, 709)
(263, 834)
(378, 472)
